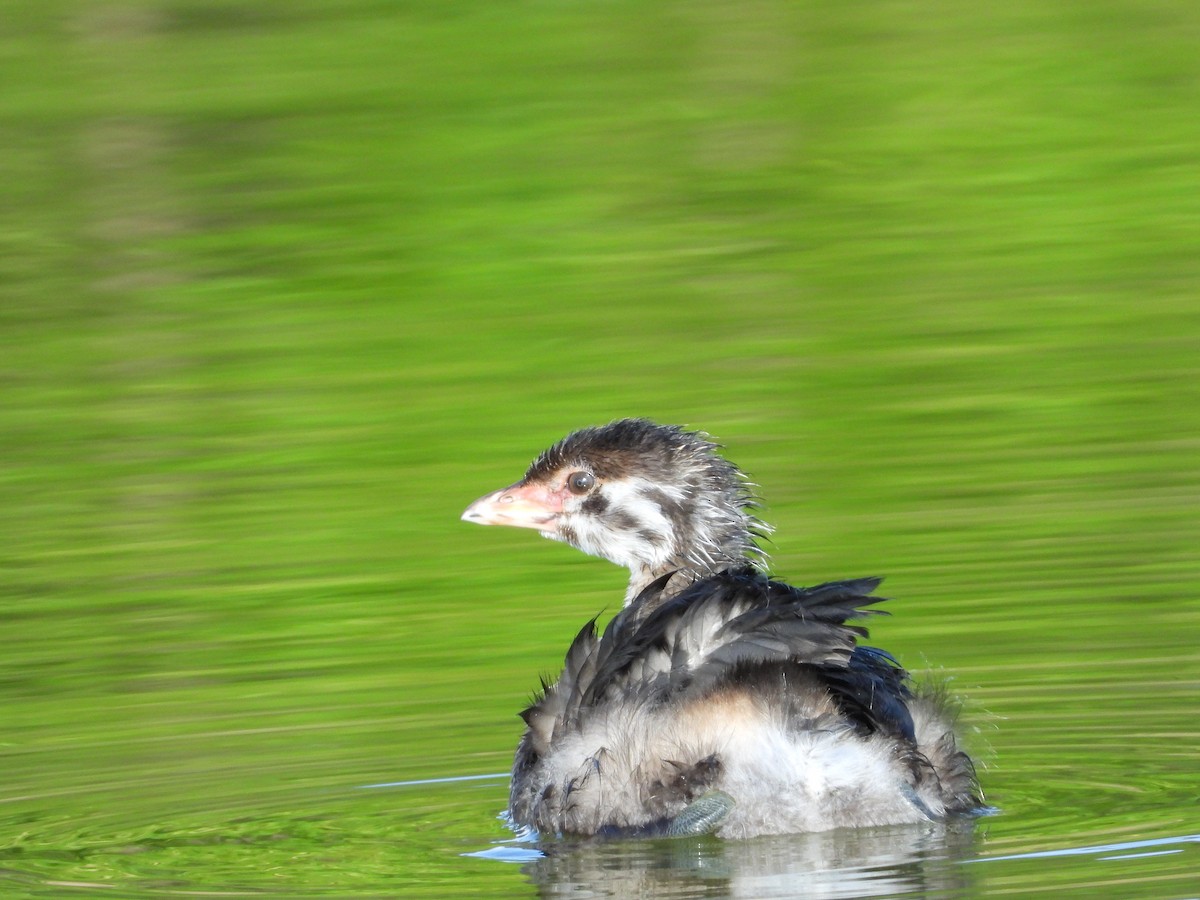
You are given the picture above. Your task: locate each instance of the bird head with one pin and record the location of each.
(652, 498)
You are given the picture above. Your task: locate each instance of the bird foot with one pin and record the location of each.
(702, 816)
(910, 794)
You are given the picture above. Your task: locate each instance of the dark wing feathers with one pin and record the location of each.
(579, 668)
(548, 712)
(763, 621)
(872, 691)
(722, 623)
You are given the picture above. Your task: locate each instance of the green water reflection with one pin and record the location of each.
(284, 286)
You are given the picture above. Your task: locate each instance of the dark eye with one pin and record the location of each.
(580, 482)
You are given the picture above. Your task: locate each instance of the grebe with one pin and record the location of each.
(718, 699)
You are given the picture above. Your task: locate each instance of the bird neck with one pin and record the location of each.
(682, 573)
(708, 538)
(639, 581)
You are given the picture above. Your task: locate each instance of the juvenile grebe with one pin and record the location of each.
(717, 699)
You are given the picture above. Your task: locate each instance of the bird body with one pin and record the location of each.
(718, 699)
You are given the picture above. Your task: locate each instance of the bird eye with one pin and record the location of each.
(581, 482)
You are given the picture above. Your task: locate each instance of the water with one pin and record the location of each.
(284, 288)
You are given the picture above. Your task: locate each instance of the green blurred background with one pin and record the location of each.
(285, 285)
